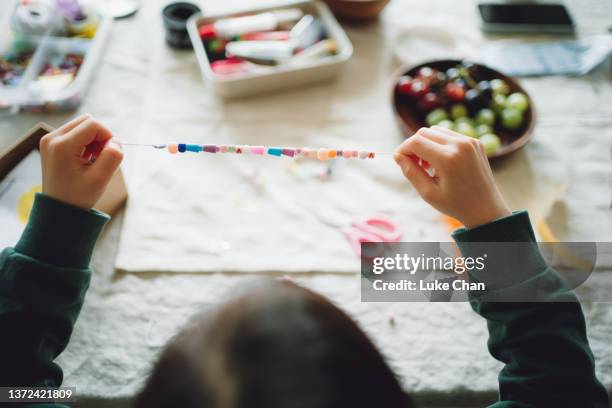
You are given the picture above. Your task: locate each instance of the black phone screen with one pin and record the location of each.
(495, 13)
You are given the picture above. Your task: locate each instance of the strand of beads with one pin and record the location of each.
(303, 152)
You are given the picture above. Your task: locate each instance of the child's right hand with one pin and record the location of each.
(78, 161)
(463, 186)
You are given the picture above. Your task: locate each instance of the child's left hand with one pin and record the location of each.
(78, 161)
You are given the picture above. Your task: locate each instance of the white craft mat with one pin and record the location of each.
(199, 213)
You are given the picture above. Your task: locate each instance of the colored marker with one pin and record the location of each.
(236, 26)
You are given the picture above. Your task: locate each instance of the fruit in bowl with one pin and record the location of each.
(468, 98)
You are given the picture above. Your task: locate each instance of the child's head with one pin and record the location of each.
(279, 346)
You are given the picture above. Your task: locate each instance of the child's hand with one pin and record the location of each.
(463, 186)
(78, 161)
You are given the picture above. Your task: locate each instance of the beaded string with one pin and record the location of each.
(303, 152)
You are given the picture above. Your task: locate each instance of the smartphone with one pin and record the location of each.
(523, 17)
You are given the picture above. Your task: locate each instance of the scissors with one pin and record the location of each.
(377, 229)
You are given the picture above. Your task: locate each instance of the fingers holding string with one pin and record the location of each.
(108, 159)
(415, 173)
(424, 148)
(87, 139)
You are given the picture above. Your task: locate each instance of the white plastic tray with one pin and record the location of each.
(280, 77)
(28, 96)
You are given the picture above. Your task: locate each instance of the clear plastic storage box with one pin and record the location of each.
(39, 84)
(281, 76)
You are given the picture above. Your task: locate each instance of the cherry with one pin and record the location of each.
(418, 88)
(455, 92)
(404, 84)
(429, 101)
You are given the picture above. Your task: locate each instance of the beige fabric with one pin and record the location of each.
(201, 213)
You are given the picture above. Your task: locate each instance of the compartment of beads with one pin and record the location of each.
(59, 75)
(16, 68)
(48, 65)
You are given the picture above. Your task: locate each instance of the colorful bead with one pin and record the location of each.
(305, 152)
(193, 148)
(258, 150)
(289, 152)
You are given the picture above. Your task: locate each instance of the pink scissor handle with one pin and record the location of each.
(357, 237)
(380, 226)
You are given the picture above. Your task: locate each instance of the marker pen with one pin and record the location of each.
(265, 36)
(264, 52)
(236, 26)
(320, 49)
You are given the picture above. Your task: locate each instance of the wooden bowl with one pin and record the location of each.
(411, 118)
(357, 10)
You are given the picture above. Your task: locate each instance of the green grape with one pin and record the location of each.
(512, 118)
(499, 87)
(491, 143)
(436, 116)
(467, 120)
(458, 110)
(483, 130)
(448, 124)
(485, 117)
(518, 101)
(499, 103)
(466, 129)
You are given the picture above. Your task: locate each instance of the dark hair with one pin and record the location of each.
(278, 346)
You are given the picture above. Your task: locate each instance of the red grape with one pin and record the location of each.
(418, 88)
(404, 84)
(429, 101)
(455, 92)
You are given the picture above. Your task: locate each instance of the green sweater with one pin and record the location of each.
(43, 281)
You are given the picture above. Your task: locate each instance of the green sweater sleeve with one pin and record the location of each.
(43, 281)
(544, 346)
